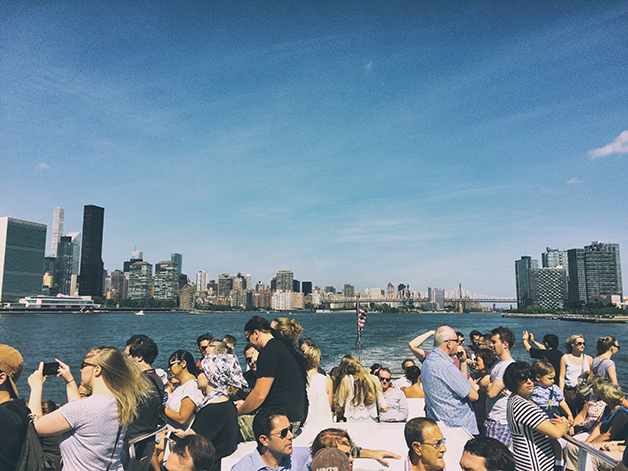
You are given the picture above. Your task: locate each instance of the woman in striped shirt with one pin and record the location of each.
(532, 432)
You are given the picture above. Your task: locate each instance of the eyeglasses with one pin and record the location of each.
(616, 346)
(436, 445)
(247, 337)
(202, 348)
(388, 380)
(453, 340)
(84, 364)
(525, 379)
(174, 362)
(283, 433)
(580, 343)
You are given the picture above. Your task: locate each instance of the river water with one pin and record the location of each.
(384, 340)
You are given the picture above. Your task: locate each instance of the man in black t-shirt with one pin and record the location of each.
(545, 351)
(143, 350)
(281, 376)
(13, 411)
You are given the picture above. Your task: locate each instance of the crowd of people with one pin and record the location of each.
(124, 414)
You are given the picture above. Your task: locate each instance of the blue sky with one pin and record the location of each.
(427, 143)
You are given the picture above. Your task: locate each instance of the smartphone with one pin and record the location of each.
(51, 369)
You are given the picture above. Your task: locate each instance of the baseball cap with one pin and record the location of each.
(11, 363)
(330, 459)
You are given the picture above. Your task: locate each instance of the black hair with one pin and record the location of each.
(413, 373)
(487, 356)
(413, 431)
(257, 323)
(48, 406)
(403, 363)
(228, 338)
(459, 334)
(505, 335)
(515, 373)
(206, 336)
(199, 449)
(263, 421)
(497, 457)
(474, 333)
(143, 346)
(184, 355)
(383, 368)
(551, 340)
(375, 367)
(307, 341)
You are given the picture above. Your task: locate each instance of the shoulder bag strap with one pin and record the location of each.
(115, 445)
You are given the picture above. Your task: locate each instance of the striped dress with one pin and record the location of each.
(532, 449)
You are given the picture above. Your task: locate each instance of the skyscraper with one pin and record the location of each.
(140, 280)
(201, 280)
(22, 249)
(522, 274)
(555, 258)
(594, 271)
(166, 281)
(307, 287)
(284, 280)
(57, 228)
(91, 277)
(76, 248)
(548, 287)
(63, 265)
(178, 259)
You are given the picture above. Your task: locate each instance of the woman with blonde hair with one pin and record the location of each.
(319, 389)
(92, 430)
(288, 329)
(572, 365)
(358, 395)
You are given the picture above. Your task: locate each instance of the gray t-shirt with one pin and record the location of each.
(497, 406)
(90, 443)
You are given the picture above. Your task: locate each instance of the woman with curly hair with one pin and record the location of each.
(358, 395)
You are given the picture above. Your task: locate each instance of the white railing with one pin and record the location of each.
(585, 450)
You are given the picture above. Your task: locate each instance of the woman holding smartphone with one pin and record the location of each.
(92, 430)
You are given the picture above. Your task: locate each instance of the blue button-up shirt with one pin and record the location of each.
(446, 390)
(299, 460)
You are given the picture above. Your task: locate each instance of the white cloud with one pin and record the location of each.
(42, 166)
(618, 146)
(574, 181)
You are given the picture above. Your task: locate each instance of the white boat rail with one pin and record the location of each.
(585, 450)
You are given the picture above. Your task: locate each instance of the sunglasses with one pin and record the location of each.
(388, 380)
(436, 445)
(283, 433)
(84, 364)
(580, 343)
(202, 348)
(174, 362)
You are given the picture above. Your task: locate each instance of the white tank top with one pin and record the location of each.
(572, 371)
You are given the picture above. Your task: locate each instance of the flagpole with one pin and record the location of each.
(357, 310)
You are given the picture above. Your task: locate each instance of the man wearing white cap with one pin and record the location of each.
(13, 411)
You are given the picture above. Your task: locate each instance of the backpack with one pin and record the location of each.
(32, 454)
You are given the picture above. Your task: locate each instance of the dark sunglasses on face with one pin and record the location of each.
(581, 343)
(202, 348)
(388, 380)
(283, 433)
(84, 364)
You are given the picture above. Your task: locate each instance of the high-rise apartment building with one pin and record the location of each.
(57, 228)
(63, 265)
(140, 280)
(548, 287)
(296, 286)
(91, 276)
(552, 258)
(522, 275)
(225, 285)
(348, 291)
(117, 284)
(166, 281)
(76, 251)
(201, 281)
(178, 259)
(247, 278)
(284, 280)
(306, 286)
(22, 250)
(594, 271)
(436, 295)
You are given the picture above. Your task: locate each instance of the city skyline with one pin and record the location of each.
(355, 143)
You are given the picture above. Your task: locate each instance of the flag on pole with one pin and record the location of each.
(361, 318)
